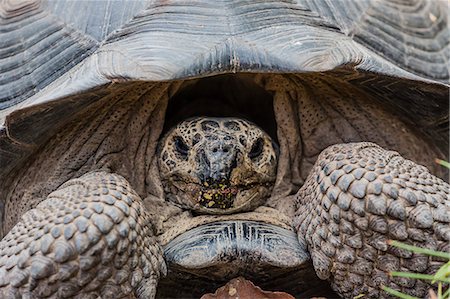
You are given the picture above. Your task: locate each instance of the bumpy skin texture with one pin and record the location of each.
(93, 237)
(206, 157)
(356, 198)
(90, 238)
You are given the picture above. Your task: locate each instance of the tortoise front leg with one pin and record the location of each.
(356, 198)
(90, 238)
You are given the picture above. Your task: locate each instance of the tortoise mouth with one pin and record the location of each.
(218, 194)
(222, 196)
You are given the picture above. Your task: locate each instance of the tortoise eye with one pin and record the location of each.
(181, 146)
(257, 148)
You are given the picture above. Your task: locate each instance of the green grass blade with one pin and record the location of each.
(443, 273)
(397, 293)
(415, 249)
(442, 163)
(420, 276)
(446, 294)
(359, 296)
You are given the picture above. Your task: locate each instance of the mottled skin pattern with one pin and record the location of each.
(93, 237)
(201, 152)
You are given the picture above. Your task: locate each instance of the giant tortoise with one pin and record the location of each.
(162, 148)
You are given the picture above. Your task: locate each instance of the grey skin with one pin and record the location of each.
(94, 236)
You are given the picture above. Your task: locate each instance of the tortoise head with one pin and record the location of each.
(217, 165)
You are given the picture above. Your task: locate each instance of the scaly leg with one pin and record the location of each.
(90, 238)
(356, 198)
